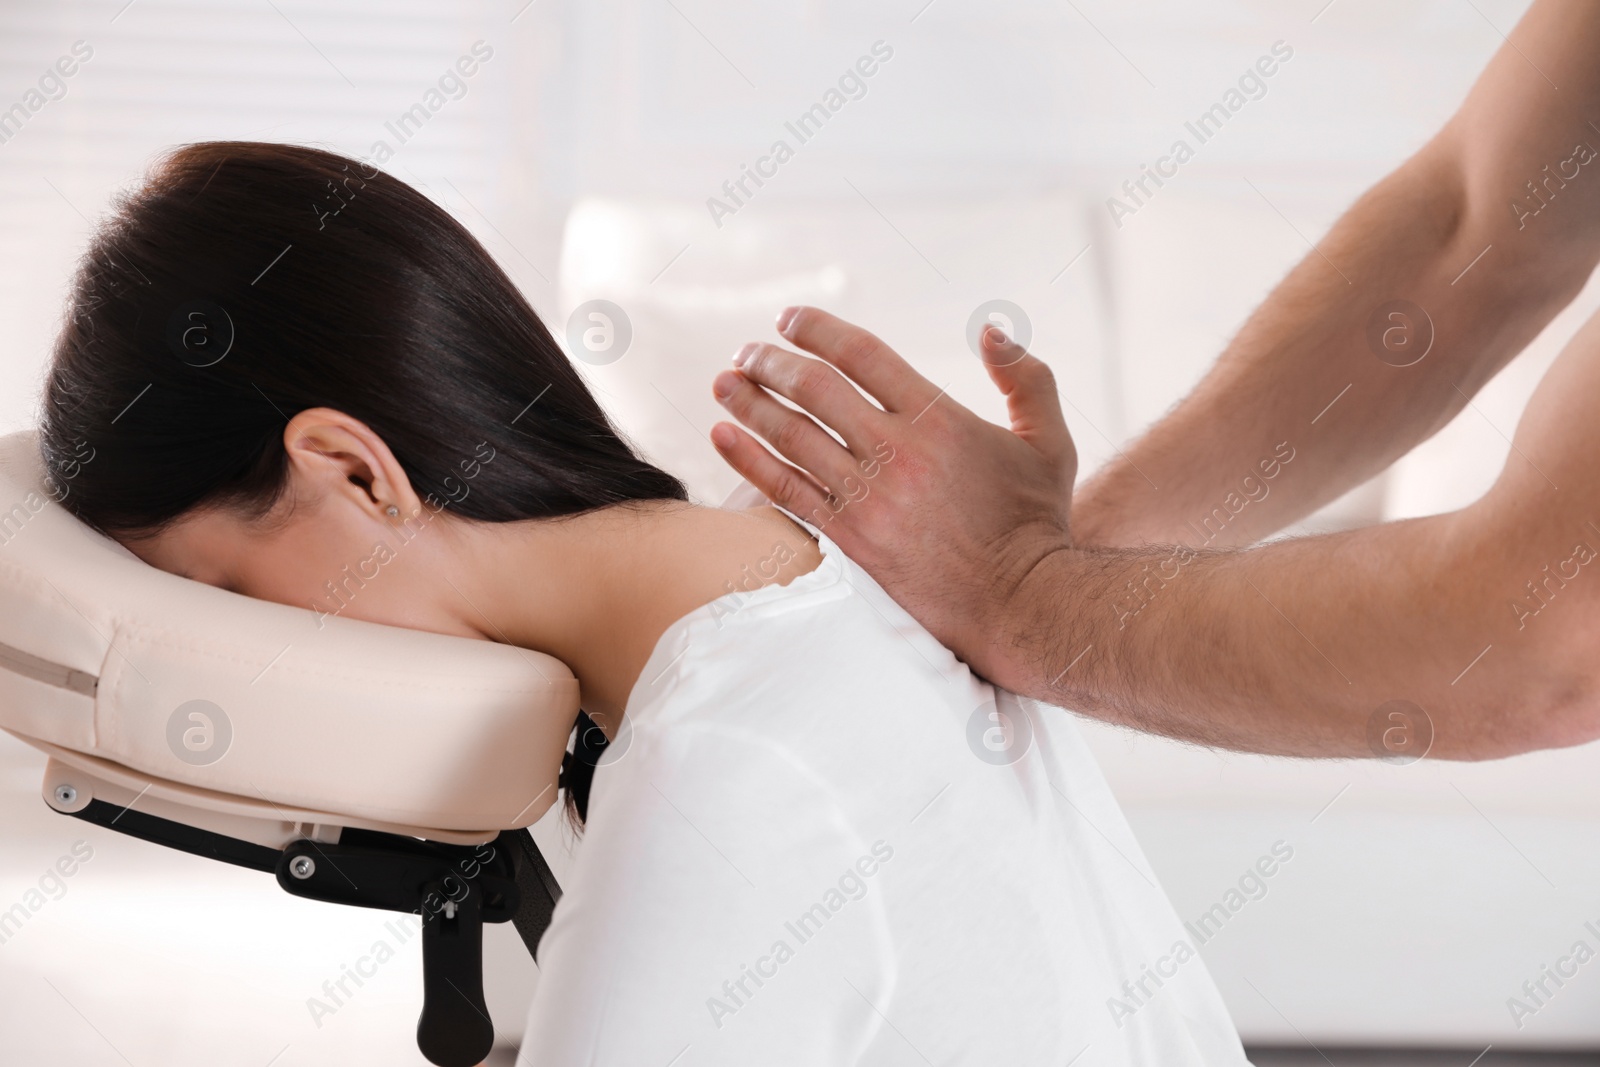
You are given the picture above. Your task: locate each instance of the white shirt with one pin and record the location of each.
(821, 840)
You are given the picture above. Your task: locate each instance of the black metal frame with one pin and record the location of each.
(454, 888)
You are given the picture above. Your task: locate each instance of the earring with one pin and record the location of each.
(392, 511)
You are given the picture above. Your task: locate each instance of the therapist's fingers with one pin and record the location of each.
(818, 389)
(863, 358)
(794, 435)
(1032, 400)
(777, 481)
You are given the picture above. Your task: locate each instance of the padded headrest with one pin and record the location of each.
(104, 655)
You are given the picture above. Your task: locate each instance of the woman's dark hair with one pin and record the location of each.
(243, 282)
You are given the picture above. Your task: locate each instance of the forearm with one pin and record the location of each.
(1291, 648)
(1491, 229)
(1302, 375)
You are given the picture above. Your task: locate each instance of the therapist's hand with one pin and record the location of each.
(946, 511)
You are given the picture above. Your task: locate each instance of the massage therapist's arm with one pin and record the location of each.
(1410, 237)
(1288, 648)
(1488, 618)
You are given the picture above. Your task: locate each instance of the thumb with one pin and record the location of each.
(1029, 387)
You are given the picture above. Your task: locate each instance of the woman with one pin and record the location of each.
(820, 839)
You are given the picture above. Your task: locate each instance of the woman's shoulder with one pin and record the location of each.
(819, 643)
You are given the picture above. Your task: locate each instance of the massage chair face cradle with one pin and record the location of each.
(360, 764)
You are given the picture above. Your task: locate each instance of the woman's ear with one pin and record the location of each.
(332, 454)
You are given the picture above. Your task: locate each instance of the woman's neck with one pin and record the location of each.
(598, 590)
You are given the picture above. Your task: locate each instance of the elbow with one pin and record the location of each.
(1455, 191)
(1540, 278)
(1552, 701)
(1539, 687)
(1565, 677)
(1538, 272)
(1570, 712)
